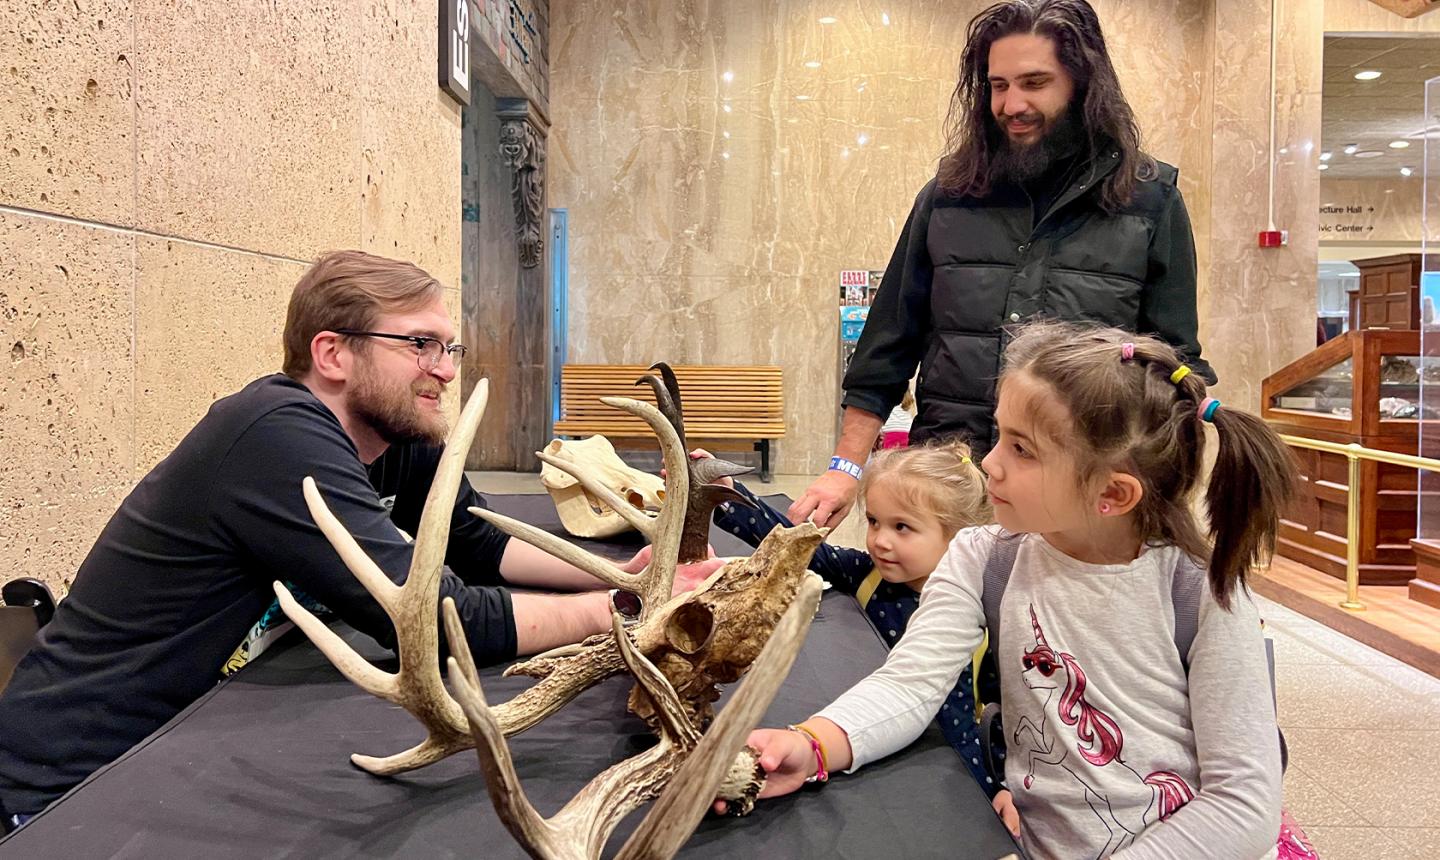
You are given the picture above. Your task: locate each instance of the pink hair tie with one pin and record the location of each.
(1127, 351)
(1207, 409)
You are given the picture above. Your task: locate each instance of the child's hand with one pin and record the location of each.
(1004, 806)
(787, 758)
(702, 454)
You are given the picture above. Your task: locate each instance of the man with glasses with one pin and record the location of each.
(183, 570)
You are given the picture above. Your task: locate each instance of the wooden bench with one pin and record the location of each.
(720, 403)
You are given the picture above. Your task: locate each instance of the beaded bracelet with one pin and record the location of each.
(822, 773)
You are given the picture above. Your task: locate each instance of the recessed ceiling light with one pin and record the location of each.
(724, 155)
(1325, 156)
(727, 108)
(1369, 153)
(1368, 75)
(812, 64)
(1405, 171)
(845, 152)
(861, 139)
(885, 18)
(1284, 150)
(1399, 144)
(1351, 149)
(725, 134)
(728, 77)
(802, 98)
(829, 19)
(1324, 167)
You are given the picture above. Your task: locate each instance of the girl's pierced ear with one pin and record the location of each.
(1104, 507)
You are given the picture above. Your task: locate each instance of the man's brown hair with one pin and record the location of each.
(350, 290)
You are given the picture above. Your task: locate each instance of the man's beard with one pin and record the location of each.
(1023, 163)
(390, 409)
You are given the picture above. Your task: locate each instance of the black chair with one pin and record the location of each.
(28, 606)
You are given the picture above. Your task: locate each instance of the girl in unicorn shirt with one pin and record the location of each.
(1118, 744)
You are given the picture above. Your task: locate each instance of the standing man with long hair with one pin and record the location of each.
(1044, 206)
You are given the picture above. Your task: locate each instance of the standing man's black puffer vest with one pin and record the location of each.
(966, 268)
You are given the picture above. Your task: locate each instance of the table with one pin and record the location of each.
(260, 767)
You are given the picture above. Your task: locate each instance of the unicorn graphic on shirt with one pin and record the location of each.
(1074, 735)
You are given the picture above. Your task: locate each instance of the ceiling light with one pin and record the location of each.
(1351, 149)
(1367, 75)
(829, 19)
(725, 134)
(728, 77)
(1399, 144)
(1405, 171)
(885, 18)
(1369, 153)
(1325, 156)
(861, 139)
(802, 98)
(724, 155)
(812, 64)
(1324, 167)
(727, 108)
(1284, 150)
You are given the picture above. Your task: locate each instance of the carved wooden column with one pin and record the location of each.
(522, 145)
(505, 317)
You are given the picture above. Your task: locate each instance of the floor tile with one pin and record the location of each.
(1353, 843)
(1337, 696)
(1419, 843)
(1313, 805)
(1391, 778)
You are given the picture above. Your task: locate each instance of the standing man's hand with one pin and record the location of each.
(832, 494)
(829, 499)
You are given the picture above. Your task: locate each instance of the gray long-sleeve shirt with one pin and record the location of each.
(1106, 732)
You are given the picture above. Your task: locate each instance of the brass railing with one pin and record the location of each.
(1354, 454)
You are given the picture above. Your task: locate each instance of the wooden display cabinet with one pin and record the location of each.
(1388, 296)
(1361, 387)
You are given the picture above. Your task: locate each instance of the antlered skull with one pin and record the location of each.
(581, 512)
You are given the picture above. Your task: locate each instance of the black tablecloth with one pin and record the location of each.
(260, 768)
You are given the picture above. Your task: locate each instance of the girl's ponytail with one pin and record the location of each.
(1250, 484)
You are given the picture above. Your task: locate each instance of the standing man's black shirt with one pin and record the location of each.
(184, 568)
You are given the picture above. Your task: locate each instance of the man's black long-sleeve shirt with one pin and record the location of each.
(185, 567)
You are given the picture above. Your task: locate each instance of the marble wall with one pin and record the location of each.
(722, 161)
(168, 170)
(1258, 313)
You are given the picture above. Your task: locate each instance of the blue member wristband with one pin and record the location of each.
(849, 467)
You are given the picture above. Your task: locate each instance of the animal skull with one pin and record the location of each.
(583, 513)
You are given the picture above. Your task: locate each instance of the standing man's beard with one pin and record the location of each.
(391, 412)
(1022, 164)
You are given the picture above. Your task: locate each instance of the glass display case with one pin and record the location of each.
(1425, 588)
(1362, 387)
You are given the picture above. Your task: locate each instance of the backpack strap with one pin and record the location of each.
(997, 576)
(1187, 586)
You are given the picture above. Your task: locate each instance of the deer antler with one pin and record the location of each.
(417, 686)
(655, 582)
(693, 767)
(703, 496)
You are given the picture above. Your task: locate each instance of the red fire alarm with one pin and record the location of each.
(1274, 238)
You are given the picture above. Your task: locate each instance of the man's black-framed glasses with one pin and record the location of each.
(428, 349)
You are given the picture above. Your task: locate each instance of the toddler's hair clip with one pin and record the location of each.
(1127, 351)
(1207, 409)
(1180, 373)
(965, 460)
